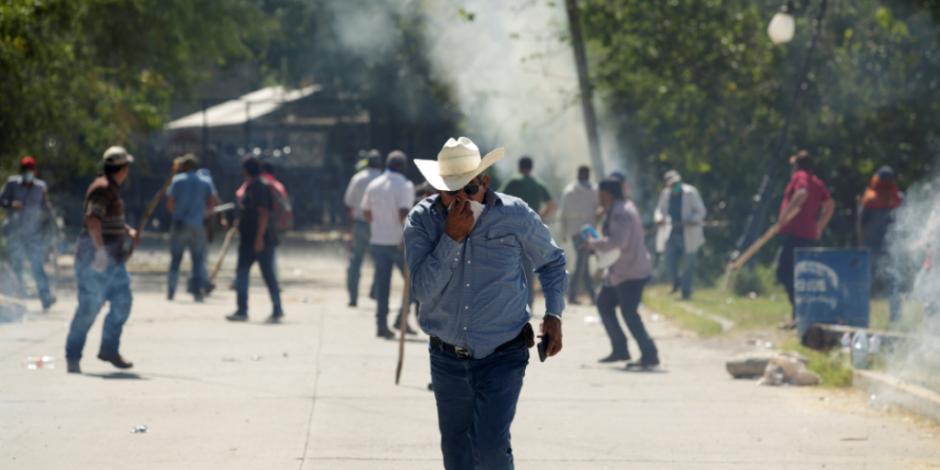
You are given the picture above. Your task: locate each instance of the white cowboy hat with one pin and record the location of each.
(457, 164)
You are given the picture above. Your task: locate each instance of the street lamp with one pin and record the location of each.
(782, 26)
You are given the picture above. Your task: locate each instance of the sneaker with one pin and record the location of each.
(274, 319)
(614, 357)
(237, 316)
(385, 333)
(208, 288)
(408, 329)
(116, 360)
(170, 294)
(48, 302)
(644, 364)
(73, 366)
(197, 296)
(352, 303)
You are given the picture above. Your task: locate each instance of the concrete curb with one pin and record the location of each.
(891, 390)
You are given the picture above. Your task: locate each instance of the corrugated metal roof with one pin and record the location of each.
(243, 109)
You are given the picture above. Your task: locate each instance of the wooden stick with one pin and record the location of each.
(225, 245)
(752, 250)
(403, 322)
(151, 207)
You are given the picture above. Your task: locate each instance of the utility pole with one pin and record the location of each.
(584, 81)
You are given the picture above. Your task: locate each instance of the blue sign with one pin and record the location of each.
(831, 286)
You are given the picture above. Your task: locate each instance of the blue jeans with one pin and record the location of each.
(476, 403)
(385, 257)
(675, 252)
(194, 238)
(112, 285)
(32, 250)
(581, 272)
(627, 295)
(246, 257)
(360, 244)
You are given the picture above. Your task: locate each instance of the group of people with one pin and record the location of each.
(471, 255)
(106, 241)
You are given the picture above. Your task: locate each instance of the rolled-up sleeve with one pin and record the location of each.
(432, 260)
(548, 259)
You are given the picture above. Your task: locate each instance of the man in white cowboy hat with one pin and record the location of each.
(464, 248)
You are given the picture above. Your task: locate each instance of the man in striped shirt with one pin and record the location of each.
(99, 264)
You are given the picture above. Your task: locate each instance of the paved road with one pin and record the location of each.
(317, 392)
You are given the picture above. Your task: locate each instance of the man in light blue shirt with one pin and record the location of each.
(190, 197)
(464, 249)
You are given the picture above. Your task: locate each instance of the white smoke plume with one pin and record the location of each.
(914, 251)
(509, 64)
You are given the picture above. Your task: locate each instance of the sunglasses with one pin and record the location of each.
(470, 189)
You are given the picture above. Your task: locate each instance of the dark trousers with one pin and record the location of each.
(246, 257)
(786, 262)
(582, 275)
(627, 295)
(385, 258)
(476, 403)
(360, 245)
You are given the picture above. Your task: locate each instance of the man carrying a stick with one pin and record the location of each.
(189, 198)
(804, 215)
(99, 264)
(465, 248)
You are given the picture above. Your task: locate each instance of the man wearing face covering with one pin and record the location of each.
(465, 247)
(24, 197)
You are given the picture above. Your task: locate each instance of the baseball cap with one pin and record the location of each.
(672, 177)
(27, 162)
(117, 156)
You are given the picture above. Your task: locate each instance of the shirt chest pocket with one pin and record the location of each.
(501, 249)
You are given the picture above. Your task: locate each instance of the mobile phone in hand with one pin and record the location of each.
(543, 348)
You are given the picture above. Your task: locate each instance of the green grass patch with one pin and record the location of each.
(686, 320)
(833, 367)
(746, 313)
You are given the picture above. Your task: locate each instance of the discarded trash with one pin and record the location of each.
(860, 354)
(285, 354)
(39, 362)
(140, 429)
(846, 341)
(779, 369)
(656, 317)
(752, 295)
(591, 319)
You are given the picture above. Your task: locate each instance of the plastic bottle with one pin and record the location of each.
(860, 350)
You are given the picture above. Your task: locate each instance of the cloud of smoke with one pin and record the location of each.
(912, 248)
(509, 64)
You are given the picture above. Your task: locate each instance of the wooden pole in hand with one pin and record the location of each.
(403, 321)
(225, 244)
(152, 206)
(752, 250)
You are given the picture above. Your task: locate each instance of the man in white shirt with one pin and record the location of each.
(679, 215)
(386, 203)
(579, 208)
(359, 236)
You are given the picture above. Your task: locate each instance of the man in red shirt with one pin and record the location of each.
(804, 214)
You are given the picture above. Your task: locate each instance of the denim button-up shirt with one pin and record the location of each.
(473, 294)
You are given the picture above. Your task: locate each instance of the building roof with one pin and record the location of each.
(243, 109)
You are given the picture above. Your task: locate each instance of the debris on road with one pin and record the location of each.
(140, 429)
(774, 370)
(39, 362)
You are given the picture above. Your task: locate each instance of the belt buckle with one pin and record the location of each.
(462, 353)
